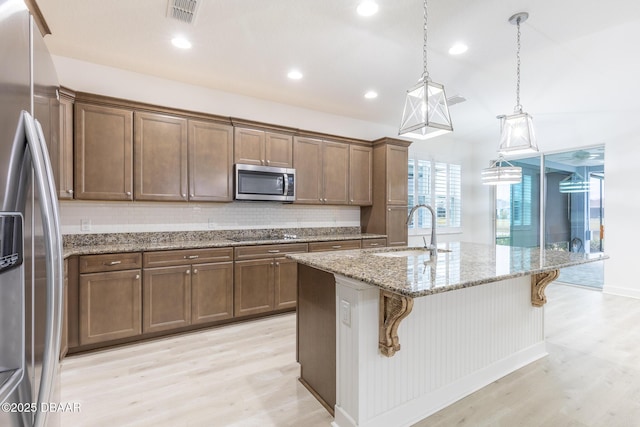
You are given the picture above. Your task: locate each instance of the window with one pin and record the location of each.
(439, 185)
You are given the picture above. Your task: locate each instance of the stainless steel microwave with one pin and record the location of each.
(265, 183)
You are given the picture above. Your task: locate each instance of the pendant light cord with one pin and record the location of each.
(518, 107)
(425, 73)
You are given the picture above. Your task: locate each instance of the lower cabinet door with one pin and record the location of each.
(109, 306)
(166, 298)
(397, 226)
(253, 287)
(285, 283)
(211, 292)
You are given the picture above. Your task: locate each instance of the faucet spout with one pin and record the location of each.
(434, 243)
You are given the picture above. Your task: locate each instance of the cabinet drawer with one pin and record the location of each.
(186, 256)
(338, 245)
(373, 243)
(266, 251)
(110, 262)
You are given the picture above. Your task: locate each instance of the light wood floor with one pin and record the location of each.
(245, 375)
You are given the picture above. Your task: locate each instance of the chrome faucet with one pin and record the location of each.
(434, 244)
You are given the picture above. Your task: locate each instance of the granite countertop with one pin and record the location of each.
(90, 244)
(416, 274)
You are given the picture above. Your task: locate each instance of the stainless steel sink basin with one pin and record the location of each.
(408, 252)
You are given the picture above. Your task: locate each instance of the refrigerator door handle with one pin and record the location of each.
(53, 246)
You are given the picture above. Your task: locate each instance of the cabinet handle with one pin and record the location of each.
(137, 276)
(188, 272)
(191, 256)
(274, 251)
(336, 246)
(113, 263)
(128, 193)
(374, 244)
(195, 271)
(70, 191)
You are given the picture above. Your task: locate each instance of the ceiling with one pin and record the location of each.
(579, 66)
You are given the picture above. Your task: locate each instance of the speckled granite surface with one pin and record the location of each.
(86, 244)
(417, 274)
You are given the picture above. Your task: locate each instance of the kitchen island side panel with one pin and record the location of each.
(452, 344)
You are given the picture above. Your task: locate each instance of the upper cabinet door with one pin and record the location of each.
(210, 162)
(307, 160)
(360, 175)
(249, 146)
(397, 175)
(335, 173)
(63, 171)
(278, 150)
(160, 143)
(103, 153)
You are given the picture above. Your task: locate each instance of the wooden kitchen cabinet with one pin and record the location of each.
(160, 153)
(109, 300)
(339, 245)
(210, 147)
(264, 280)
(389, 212)
(360, 175)
(64, 336)
(103, 168)
(62, 160)
(262, 148)
(185, 287)
(374, 243)
(322, 171)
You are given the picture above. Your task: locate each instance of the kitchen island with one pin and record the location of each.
(389, 336)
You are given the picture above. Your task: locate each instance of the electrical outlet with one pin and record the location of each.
(85, 225)
(345, 312)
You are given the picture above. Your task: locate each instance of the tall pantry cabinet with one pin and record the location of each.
(389, 211)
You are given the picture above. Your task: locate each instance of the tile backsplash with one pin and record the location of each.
(124, 217)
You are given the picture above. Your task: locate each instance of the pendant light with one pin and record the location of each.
(497, 173)
(426, 113)
(517, 135)
(574, 183)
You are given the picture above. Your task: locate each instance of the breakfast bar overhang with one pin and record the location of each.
(389, 336)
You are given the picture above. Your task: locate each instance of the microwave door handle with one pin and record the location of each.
(286, 184)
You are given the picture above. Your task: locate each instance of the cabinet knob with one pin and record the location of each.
(70, 191)
(195, 271)
(128, 193)
(277, 264)
(188, 272)
(137, 276)
(268, 161)
(184, 196)
(191, 195)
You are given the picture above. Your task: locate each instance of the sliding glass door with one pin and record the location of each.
(569, 212)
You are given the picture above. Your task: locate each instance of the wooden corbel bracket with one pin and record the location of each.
(539, 282)
(393, 308)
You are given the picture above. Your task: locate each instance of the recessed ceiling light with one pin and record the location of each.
(371, 94)
(458, 48)
(294, 75)
(367, 8)
(181, 43)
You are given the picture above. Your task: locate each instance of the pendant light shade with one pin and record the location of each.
(426, 113)
(574, 183)
(498, 173)
(517, 134)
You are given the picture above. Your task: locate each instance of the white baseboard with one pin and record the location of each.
(623, 292)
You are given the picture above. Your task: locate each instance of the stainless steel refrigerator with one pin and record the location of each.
(31, 274)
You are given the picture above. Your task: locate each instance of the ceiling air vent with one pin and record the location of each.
(455, 99)
(183, 10)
